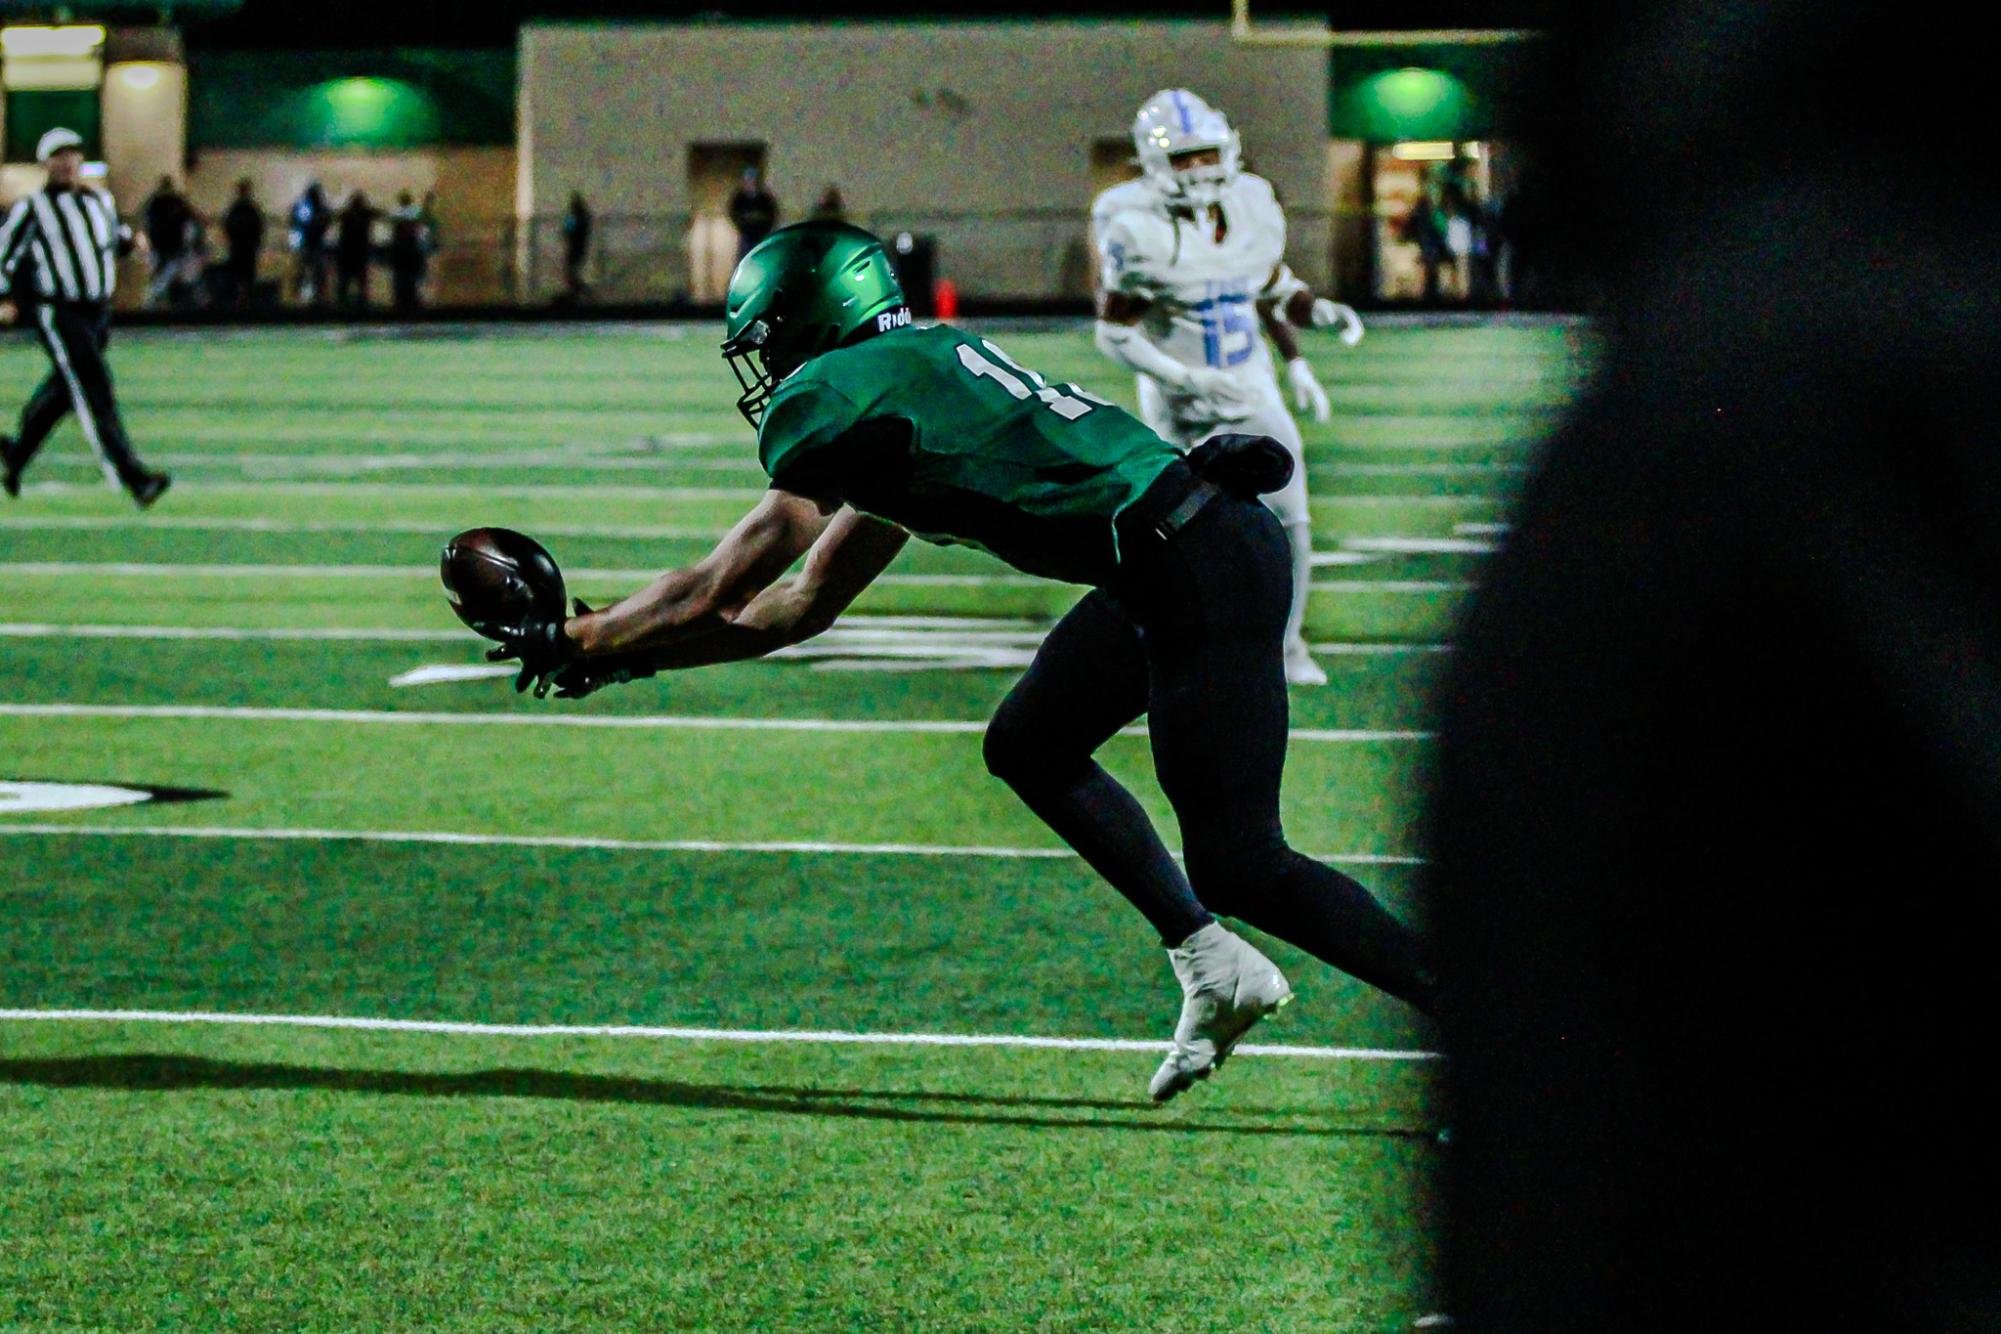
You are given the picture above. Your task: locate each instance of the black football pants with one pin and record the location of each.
(1191, 635)
(80, 380)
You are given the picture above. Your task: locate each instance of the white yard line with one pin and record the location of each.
(641, 722)
(1027, 633)
(1339, 650)
(175, 570)
(474, 492)
(345, 465)
(36, 630)
(1420, 546)
(1399, 586)
(834, 1037)
(470, 491)
(103, 522)
(1413, 469)
(10, 828)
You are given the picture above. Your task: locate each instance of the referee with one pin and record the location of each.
(59, 249)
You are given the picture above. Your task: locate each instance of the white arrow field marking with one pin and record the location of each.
(22, 798)
(439, 673)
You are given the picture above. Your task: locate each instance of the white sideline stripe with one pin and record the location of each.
(645, 722)
(587, 843)
(749, 1035)
(150, 569)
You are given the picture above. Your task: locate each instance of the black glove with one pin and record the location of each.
(584, 676)
(542, 647)
(1244, 465)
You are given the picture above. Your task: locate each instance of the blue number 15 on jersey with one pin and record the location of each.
(1229, 328)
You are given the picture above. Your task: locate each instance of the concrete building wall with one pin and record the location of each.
(980, 134)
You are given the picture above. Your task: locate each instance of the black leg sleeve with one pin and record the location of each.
(1088, 680)
(1213, 603)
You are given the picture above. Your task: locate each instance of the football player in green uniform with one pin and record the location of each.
(873, 428)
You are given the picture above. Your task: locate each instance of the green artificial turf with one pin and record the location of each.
(192, 1175)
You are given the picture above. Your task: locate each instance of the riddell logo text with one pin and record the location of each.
(894, 319)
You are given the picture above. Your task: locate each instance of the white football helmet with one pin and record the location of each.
(1176, 121)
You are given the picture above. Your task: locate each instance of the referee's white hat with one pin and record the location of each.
(55, 141)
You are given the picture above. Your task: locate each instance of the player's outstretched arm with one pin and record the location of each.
(848, 556)
(701, 597)
(851, 551)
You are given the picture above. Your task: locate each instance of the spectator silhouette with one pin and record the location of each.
(831, 207)
(354, 250)
(577, 223)
(310, 220)
(409, 253)
(753, 211)
(168, 218)
(243, 233)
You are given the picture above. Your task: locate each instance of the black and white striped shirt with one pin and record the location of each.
(62, 244)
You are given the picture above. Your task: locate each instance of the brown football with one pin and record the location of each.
(498, 580)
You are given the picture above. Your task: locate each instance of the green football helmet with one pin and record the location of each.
(804, 290)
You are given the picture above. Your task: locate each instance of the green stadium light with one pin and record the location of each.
(1413, 103)
(365, 112)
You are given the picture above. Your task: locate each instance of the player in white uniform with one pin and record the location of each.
(1191, 261)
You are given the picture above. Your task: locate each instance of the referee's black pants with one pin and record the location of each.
(74, 335)
(1191, 633)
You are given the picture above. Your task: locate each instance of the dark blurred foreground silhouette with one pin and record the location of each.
(1716, 825)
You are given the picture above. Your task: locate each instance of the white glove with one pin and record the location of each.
(1307, 395)
(1216, 395)
(1327, 313)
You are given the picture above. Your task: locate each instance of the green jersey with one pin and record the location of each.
(937, 431)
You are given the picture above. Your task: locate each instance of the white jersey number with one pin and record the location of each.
(1068, 406)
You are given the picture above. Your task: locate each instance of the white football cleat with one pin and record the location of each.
(1226, 986)
(1300, 668)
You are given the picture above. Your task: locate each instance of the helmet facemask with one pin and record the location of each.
(1204, 185)
(1175, 124)
(751, 364)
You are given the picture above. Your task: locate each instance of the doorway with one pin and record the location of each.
(713, 173)
(1435, 242)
